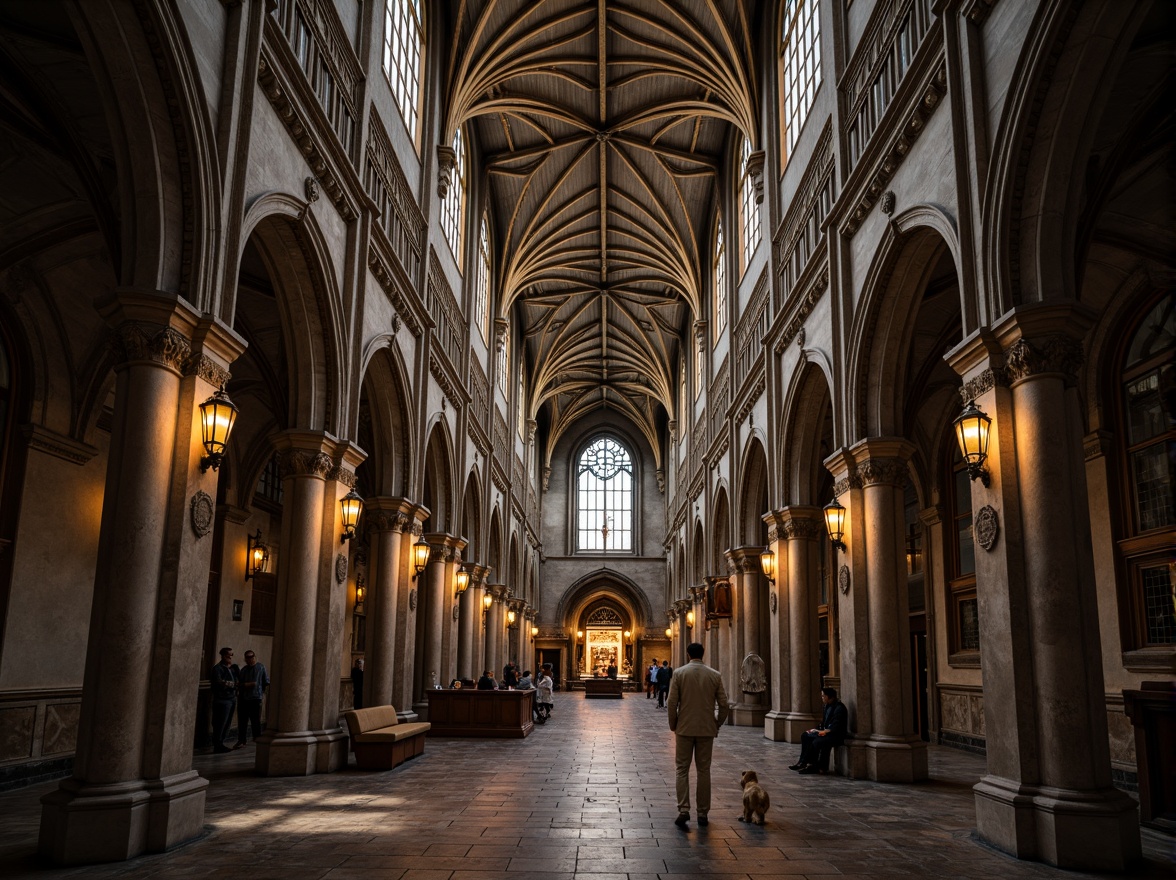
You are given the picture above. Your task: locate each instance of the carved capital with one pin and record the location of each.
(800, 527)
(986, 381)
(1052, 354)
(342, 475)
(882, 471)
(446, 165)
(204, 367)
(303, 463)
(134, 341)
(387, 520)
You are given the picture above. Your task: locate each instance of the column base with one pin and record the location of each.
(788, 726)
(86, 824)
(407, 716)
(748, 714)
(331, 753)
(287, 754)
(1076, 830)
(889, 759)
(421, 710)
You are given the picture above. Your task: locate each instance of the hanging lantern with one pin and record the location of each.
(420, 556)
(218, 414)
(835, 524)
(971, 428)
(461, 580)
(256, 556)
(352, 506)
(768, 564)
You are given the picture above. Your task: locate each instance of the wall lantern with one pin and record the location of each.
(510, 618)
(420, 556)
(768, 564)
(628, 635)
(217, 416)
(669, 633)
(690, 619)
(971, 427)
(352, 506)
(835, 524)
(256, 556)
(534, 631)
(487, 601)
(580, 634)
(461, 580)
(360, 596)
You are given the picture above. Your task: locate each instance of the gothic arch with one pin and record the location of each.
(753, 494)
(384, 420)
(437, 481)
(603, 583)
(807, 407)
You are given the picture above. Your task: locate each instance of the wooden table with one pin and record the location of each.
(469, 712)
(604, 687)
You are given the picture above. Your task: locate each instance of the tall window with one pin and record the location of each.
(504, 362)
(522, 404)
(749, 210)
(1147, 388)
(699, 355)
(961, 556)
(403, 42)
(720, 279)
(482, 284)
(453, 207)
(604, 497)
(800, 67)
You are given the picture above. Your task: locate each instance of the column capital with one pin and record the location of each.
(840, 465)
(498, 591)
(346, 457)
(215, 346)
(446, 547)
(744, 560)
(478, 574)
(383, 513)
(882, 461)
(698, 593)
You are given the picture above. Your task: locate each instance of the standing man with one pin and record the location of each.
(223, 682)
(254, 681)
(356, 683)
(651, 678)
(694, 692)
(816, 744)
(663, 683)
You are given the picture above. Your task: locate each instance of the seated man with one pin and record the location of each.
(816, 744)
(487, 682)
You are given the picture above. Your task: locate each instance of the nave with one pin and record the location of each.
(590, 795)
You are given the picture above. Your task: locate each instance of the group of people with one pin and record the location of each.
(697, 708)
(242, 687)
(511, 680)
(657, 680)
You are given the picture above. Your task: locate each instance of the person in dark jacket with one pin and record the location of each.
(223, 681)
(663, 683)
(816, 744)
(487, 682)
(254, 680)
(357, 684)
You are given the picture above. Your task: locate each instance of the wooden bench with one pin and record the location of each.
(604, 687)
(379, 741)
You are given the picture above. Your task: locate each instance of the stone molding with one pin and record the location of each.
(1049, 355)
(343, 475)
(386, 520)
(50, 442)
(1097, 444)
(986, 381)
(743, 560)
(204, 367)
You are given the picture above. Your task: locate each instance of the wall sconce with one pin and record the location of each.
(256, 556)
(971, 428)
(628, 636)
(511, 617)
(768, 564)
(352, 506)
(669, 633)
(217, 417)
(487, 601)
(690, 619)
(360, 595)
(534, 631)
(461, 580)
(580, 634)
(835, 524)
(420, 556)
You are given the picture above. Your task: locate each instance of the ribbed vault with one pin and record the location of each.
(602, 125)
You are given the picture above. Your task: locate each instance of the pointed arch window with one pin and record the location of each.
(749, 211)
(403, 51)
(800, 68)
(699, 357)
(604, 497)
(522, 404)
(504, 362)
(482, 285)
(453, 206)
(720, 278)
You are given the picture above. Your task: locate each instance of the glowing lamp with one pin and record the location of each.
(971, 428)
(534, 631)
(835, 523)
(669, 633)
(352, 506)
(487, 601)
(420, 556)
(461, 580)
(690, 619)
(256, 556)
(768, 564)
(217, 416)
(511, 617)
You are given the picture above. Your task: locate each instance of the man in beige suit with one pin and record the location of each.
(695, 689)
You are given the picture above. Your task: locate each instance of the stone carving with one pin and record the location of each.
(546, 478)
(800, 338)
(772, 601)
(843, 579)
(802, 527)
(340, 568)
(446, 164)
(201, 511)
(311, 187)
(140, 342)
(661, 481)
(395, 324)
(886, 204)
(1054, 354)
(987, 527)
(887, 471)
(986, 381)
(456, 611)
(342, 475)
(412, 600)
(210, 371)
(753, 676)
(300, 462)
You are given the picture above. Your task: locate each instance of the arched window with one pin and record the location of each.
(720, 278)
(699, 357)
(403, 48)
(522, 404)
(1147, 464)
(800, 67)
(604, 497)
(960, 558)
(453, 206)
(504, 362)
(749, 210)
(482, 284)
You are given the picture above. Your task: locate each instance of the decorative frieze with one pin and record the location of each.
(50, 442)
(978, 385)
(342, 475)
(801, 527)
(1097, 444)
(387, 520)
(803, 308)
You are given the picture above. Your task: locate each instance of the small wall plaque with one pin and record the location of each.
(987, 527)
(843, 579)
(201, 510)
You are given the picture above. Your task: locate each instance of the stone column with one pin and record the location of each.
(289, 744)
(749, 708)
(795, 536)
(495, 629)
(407, 673)
(133, 789)
(470, 649)
(698, 606)
(387, 521)
(1048, 793)
(438, 600)
(894, 750)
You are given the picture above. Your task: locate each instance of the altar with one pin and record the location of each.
(603, 648)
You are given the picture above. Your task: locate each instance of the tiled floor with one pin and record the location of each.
(590, 795)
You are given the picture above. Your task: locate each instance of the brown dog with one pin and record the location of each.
(755, 799)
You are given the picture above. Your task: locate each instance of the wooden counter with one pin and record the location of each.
(604, 687)
(469, 712)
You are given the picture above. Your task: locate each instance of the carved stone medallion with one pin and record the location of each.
(843, 579)
(412, 599)
(456, 611)
(753, 677)
(340, 568)
(201, 509)
(987, 528)
(772, 601)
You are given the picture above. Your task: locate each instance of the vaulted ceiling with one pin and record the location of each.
(602, 125)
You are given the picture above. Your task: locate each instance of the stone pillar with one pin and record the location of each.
(133, 789)
(438, 601)
(894, 750)
(495, 629)
(387, 521)
(795, 534)
(748, 709)
(1048, 793)
(698, 606)
(470, 649)
(407, 673)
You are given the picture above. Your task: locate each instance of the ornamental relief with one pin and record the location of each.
(166, 346)
(1054, 354)
(302, 463)
(204, 367)
(987, 527)
(342, 475)
(386, 520)
(802, 527)
(882, 471)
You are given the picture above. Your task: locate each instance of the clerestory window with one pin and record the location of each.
(720, 278)
(800, 68)
(604, 497)
(749, 210)
(453, 206)
(403, 50)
